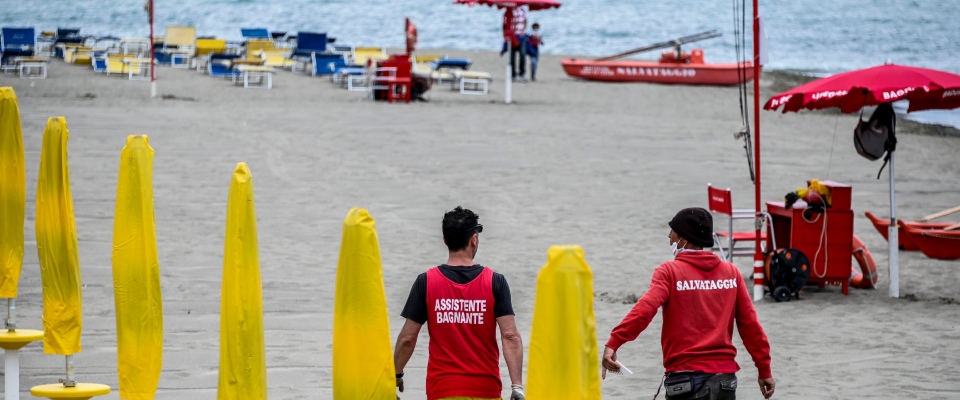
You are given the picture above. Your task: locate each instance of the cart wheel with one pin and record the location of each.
(781, 294)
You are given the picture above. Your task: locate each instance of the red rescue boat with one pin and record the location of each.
(673, 67)
(941, 244)
(906, 241)
(692, 73)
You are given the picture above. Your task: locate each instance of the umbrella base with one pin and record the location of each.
(17, 339)
(82, 391)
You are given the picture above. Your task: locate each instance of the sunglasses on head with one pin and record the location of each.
(478, 228)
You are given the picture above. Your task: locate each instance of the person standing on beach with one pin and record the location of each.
(514, 30)
(701, 296)
(462, 304)
(534, 40)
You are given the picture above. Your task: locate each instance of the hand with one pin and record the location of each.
(400, 384)
(609, 362)
(517, 392)
(767, 386)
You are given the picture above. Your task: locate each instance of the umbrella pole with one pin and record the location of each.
(758, 256)
(153, 65)
(892, 235)
(11, 323)
(70, 381)
(508, 81)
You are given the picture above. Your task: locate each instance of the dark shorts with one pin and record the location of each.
(706, 386)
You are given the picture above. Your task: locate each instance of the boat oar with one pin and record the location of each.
(952, 227)
(662, 45)
(940, 214)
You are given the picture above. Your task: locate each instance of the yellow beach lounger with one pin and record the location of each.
(479, 82)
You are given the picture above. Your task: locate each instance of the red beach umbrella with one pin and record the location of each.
(533, 5)
(926, 89)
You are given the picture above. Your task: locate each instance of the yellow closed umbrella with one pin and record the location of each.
(136, 274)
(59, 263)
(243, 368)
(13, 193)
(57, 244)
(564, 362)
(362, 357)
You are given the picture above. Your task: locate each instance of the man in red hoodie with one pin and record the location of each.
(701, 296)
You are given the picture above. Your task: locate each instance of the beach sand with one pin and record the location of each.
(604, 166)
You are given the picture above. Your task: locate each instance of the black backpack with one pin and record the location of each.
(877, 136)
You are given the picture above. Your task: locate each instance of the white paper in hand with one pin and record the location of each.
(623, 368)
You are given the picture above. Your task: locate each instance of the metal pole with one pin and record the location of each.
(893, 237)
(758, 224)
(11, 365)
(70, 381)
(153, 72)
(11, 323)
(508, 81)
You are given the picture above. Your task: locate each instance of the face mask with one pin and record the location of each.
(675, 249)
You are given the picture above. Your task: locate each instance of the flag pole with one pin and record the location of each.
(153, 72)
(758, 257)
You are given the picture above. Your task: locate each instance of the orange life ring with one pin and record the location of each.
(868, 267)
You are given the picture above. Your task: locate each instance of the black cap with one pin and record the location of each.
(695, 225)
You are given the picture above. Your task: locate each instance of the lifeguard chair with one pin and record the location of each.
(719, 201)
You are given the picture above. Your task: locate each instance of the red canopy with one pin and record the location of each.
(926, 89)
(533, 5)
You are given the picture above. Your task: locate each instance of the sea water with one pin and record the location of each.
(817, 37)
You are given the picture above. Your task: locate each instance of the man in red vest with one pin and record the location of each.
(462, 304)
(702, 297)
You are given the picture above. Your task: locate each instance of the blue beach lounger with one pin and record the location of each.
(307, 44)
(17, 42)
(255, 33)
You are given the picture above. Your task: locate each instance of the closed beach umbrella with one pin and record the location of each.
(136, 274)
(362, 356)
(243, 368)
(926, 89)
(57, 244)
(13, 193)
(564, 361)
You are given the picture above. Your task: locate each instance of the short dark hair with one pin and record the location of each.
(459, 225)
(536, 25)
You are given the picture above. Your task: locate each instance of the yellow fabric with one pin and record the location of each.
(243, 368)
(207, 46)
(57, 245)
(136, 274)
(564, 361)
(362, 355)
(13, 193)
(180, 36)
(361, 55)
(815, 186)
(255, 46)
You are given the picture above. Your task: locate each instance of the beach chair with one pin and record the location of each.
(327, 63)
(220, 65)
(16, 42)
(392, 79)
(134, 47)
(115, 64)
(471, 82)
(255, 34)
(206, 47)
(725, 241)
(307, 44)
(180, 43)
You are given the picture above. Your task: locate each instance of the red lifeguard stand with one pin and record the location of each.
(825, 238)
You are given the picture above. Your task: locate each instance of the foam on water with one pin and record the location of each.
(819, 37)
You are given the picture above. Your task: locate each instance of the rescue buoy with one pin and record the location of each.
(867, 277)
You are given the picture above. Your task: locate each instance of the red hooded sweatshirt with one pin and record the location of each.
(701, 297)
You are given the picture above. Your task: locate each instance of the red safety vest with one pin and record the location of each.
(464, 357)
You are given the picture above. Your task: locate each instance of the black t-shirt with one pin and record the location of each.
(416, 307)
